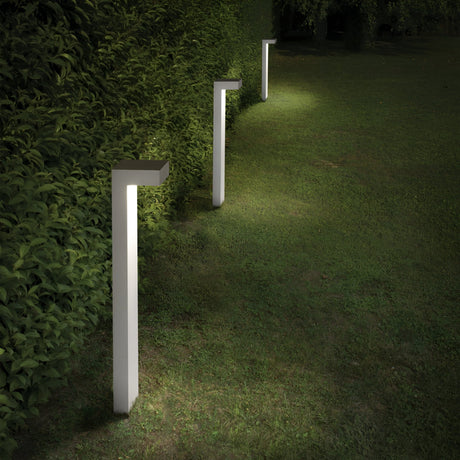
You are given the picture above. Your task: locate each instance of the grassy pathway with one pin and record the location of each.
(315, 315)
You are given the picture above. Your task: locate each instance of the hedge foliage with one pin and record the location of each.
(83, 84)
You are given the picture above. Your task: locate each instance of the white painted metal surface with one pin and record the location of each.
(126, 176)
(218, 178)
(265, 44)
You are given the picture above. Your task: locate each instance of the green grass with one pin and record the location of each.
(314, 315)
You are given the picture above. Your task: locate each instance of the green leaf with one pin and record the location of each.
(2, 379)
(6, 222)
(19, 381)
(23, 250)
(5, 313)
(17, 395)
(5, 273)
(37, 241)
(20, 197)
(46, 188)
(30, 8)
(18, 264)
(62, 288)
(4, 400)
(19, 338)
(33, 399)
(26, 364)
(29, 364)
(3, 296)
(52, 373)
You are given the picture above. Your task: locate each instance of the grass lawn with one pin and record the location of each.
(315, 315)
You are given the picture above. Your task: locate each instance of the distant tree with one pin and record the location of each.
(424, 15)
(359, 15)
(362, 17)
(451, 11)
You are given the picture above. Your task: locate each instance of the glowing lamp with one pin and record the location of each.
(265, 44)
(126, 176)
(218, 177)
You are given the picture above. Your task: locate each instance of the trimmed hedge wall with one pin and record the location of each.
(83, 84)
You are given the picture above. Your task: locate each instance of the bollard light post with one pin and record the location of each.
(265, 44)
(126, 176)
(218, 152)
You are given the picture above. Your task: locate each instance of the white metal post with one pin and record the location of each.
(126, 176)
(265, 44)
(218, 178)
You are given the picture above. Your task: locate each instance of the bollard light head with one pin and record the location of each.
(232, 83)
(270, 41)
(141, 172)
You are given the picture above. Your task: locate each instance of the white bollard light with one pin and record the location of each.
(265, 44)
(218, 168)
(126, 176)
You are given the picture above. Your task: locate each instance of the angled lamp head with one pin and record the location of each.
(232, 83)
(141, 172)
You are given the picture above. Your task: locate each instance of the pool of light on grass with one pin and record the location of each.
(291, 97)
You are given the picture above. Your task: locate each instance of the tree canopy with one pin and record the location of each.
(401, 15)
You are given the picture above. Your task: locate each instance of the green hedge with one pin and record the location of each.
(84, 84)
